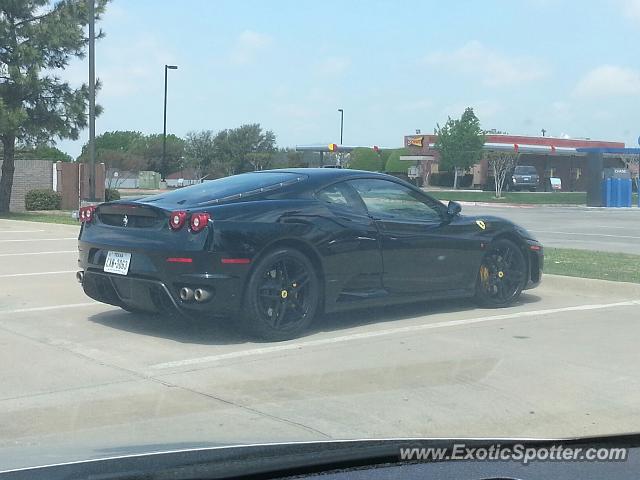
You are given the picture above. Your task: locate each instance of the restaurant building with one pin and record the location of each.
(552, 157)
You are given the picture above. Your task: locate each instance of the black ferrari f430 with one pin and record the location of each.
(274, 249)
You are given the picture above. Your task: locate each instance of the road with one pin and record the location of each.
(610, 229)
(80, 379)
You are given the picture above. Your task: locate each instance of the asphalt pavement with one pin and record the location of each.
(604, 229)
(81, 379)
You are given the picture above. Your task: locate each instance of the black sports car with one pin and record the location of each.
(276, 248)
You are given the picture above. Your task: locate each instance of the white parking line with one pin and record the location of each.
(52, 307)
(587, 234)
(380, 333)
(9, 275)
(22, 231)
(36, 253)
(37, 239)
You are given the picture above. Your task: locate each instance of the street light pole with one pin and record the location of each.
(341, 123)
(164, 129)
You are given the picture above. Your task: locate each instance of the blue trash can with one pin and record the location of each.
(616, 187)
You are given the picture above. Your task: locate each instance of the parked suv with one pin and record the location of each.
(524, 177)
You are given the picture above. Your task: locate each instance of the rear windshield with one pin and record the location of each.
(226, 187)
(523, 170)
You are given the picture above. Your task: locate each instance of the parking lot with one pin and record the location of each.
(78, 375)
(604, 229)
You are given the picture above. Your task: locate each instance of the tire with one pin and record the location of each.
(282, 296)
(502, 275)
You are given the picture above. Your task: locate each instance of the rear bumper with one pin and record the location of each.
(153, 285)
(127, 292)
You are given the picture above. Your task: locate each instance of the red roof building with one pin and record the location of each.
(551, 156)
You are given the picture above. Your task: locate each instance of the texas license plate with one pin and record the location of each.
(117, 262)
(527, 179)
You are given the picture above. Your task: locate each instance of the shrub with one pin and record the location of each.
(365, 159)
(445, 179)
(441, 179)
(111, 194)
(42, 199)
(465, 181)
(395, 165)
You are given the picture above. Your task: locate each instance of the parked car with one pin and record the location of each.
(274, 249)
(524, 177)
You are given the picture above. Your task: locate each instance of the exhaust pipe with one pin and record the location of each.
(201, 295)
(80, 276)
(186, 294)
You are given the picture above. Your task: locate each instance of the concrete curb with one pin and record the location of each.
(592, 285)
(544, 205)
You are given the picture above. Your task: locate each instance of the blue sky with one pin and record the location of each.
(572, 68)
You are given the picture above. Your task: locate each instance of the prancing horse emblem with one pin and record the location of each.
(125, 221)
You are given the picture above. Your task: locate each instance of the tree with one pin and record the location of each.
(243, 149)
(118, 141)
(501, 163)
(365, 159)
(459, 143)
(35, 105)
(295, 159)
(149, 147)
(114, 149)
(44, 152)
(199, 152)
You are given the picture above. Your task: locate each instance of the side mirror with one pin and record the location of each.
(453, 208)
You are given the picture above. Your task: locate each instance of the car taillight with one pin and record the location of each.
(177, 219)
(86, 214)
(199, 221)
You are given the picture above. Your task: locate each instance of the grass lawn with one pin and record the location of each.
(53, 217)
(619, 267)
(566, 198)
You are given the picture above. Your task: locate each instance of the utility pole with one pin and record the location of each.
(341, 123)
(543, 132)
(92, 102)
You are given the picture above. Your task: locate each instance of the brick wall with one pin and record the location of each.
(29, 174)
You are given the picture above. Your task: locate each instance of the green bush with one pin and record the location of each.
(365, 159)
(42, 200)
(445, 179)
(395, 165)
(111, 194)
(384, 156)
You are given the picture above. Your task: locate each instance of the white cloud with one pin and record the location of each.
(333, 66)
(294, 111)
(418, 105)
(124, 67)
(249, 45)
(631, 9)
(608, 80)
(485, 110)
(129, 70)
(493, 68)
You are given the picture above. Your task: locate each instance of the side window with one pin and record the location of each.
(341, 195)
(390, 200)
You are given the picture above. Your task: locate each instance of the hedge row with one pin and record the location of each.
(445, 179)
(42, 199)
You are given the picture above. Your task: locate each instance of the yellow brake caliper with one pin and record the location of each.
(484, 276)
